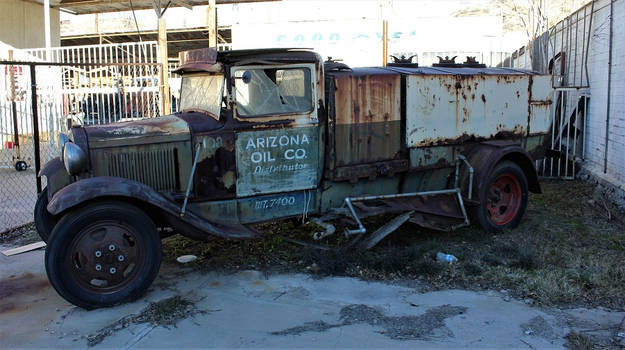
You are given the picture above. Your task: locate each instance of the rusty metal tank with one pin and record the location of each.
(387, 114)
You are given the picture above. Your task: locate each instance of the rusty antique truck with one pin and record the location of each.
(279, 133)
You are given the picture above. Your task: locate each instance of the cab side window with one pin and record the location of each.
(273, 91)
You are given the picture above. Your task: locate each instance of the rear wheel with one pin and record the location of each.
(503, 199)
(103, 254)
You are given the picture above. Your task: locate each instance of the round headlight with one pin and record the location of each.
(63, 139)
(74, 158)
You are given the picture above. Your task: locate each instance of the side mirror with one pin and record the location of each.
(246, 77)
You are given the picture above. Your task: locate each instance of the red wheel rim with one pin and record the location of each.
(504, 199)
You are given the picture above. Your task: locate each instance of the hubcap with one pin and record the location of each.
(504, 199)
(105, 256)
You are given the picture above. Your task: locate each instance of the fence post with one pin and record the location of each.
(33, 87)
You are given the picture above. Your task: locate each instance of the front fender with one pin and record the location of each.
(56, 176)
(108, 186)
(105, 186)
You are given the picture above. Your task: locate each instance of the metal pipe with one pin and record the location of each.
(607, 117)
(569, 37)
(79, 64)
(592, 9)
(568, 143)
(584, 130)
(464, 211)
(564, 95)
(186, 196)
(575, 45)
(400, 195)
(464, 159)
(361, 229)
(16, 134)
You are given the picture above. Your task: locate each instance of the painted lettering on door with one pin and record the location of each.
(276, 160)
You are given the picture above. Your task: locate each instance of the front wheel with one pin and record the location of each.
(103, 254)
(503, 199)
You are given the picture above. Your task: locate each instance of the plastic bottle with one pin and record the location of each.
(446, 258)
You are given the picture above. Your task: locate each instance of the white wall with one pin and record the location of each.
(598, 40)
(22, 24)
(598, 73)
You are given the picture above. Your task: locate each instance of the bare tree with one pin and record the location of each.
(533, 17)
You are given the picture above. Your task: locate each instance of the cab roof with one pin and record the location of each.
(210, 60)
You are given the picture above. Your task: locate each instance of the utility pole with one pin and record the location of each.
(164, 61)
(163, 58)
(384, 43)
(212, 24)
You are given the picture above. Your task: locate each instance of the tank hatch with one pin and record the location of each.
(447, 62)
(403, 61)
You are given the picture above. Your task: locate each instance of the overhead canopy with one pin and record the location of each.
(98, 6)
(177, 39)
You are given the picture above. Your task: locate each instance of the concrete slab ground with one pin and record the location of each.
(250, 309)
(18, 194)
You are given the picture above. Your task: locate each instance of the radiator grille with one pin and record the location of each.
(156, 169)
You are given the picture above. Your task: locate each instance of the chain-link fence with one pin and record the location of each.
(86, 85)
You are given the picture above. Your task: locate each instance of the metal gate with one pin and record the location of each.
(567, 146)
(83, 84)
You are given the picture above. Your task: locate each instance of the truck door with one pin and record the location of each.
(277, 137)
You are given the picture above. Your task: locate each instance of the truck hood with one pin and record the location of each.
(167, 128)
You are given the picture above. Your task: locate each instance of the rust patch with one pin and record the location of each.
(25, 284)
(502, 134)
(14, 287)
(10, 307)
(215, 175)
(368, 113)
(541, 103)
(165, 125)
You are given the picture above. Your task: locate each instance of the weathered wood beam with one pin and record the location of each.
(183, 3)
(164, 76)
(212, 24)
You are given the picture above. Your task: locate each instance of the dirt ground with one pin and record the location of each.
(568, 251)
(562, 273)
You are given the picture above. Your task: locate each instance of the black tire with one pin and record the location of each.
(101, 233)
(503, 199)
(44, 221)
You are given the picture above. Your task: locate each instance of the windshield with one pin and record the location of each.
(273, 91)
(202, 92)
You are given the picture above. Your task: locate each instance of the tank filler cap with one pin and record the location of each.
(447, 62)
(335, 65)
(402, 61)
(473, 63)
